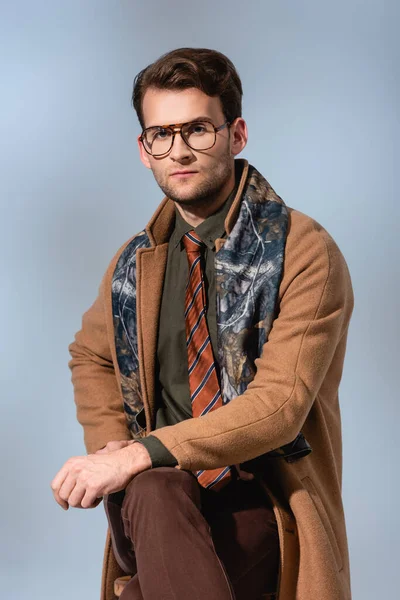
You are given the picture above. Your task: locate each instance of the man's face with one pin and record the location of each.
(212, 169)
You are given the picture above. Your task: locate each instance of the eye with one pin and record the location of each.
(197, 128)
(161, 134)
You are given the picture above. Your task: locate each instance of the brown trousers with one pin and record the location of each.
(183, 541)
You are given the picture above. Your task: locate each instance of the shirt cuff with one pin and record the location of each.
(159, 454)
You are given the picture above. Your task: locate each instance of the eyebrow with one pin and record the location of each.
(201, 118)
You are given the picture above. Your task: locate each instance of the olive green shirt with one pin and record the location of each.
(173, 403)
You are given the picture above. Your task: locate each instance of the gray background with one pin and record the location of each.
(321, 102)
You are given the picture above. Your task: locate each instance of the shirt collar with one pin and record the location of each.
(210, 229)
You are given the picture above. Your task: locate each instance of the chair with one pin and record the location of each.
(121, 582)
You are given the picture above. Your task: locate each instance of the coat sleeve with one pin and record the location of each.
(97, 394)
(315, 306)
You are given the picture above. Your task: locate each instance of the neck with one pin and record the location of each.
(194, 215)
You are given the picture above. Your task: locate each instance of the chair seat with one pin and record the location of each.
(121, 582)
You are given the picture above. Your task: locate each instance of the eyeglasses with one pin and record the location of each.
(198, 135)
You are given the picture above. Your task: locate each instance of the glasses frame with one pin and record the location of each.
(176, 128)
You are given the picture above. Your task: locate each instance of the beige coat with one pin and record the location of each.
(295, 389)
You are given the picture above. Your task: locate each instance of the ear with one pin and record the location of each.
(144, 157)
(239, 135)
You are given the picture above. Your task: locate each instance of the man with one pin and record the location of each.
(208, 369)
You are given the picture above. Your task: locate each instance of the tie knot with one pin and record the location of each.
(192, 242)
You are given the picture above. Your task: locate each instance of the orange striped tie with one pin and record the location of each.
(204, 386)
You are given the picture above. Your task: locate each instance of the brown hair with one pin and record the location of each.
(207, 70)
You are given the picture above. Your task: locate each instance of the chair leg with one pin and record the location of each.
(120, 583)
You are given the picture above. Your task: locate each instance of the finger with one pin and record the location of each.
(59, 478)
(60, 501)
(110, 447)
(65, 469)
(55, 484)
(76, 496)
(118, 445)
(66, 489)
(91, 498)
(95, 503)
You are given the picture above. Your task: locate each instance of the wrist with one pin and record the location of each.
(140, 458)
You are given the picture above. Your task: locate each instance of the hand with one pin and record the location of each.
(112, 446)
(84, 480)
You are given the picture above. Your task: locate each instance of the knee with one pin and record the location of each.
(159, 480)
(159, 485)
(158, 493)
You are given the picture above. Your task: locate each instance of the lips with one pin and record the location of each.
(183, 172)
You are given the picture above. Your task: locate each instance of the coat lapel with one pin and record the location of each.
(150, 272)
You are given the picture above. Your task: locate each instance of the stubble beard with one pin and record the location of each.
(205, 193)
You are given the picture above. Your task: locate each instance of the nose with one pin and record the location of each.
(180, 151)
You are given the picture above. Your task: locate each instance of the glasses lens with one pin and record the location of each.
(157, 140)
(199, 135)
